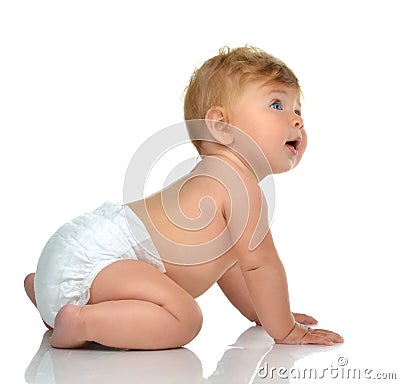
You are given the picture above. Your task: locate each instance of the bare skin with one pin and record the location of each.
(133, 305)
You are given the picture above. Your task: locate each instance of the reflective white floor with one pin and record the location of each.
(242, 362)
(228, 350)
(251, 359)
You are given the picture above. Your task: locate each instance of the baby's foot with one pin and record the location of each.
(29, 287)
(29, 284)
(68, 328)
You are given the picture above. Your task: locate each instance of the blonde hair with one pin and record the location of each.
(219, 79)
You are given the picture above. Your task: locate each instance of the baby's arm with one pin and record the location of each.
(265, 279)
(266, 282)
(234, 287)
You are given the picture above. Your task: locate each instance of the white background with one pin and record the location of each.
(84, 83)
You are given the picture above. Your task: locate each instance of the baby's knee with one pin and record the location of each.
(191, 322)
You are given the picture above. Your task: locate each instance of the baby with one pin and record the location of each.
(127, 276)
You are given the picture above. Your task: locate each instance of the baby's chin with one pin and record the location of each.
(284, 168)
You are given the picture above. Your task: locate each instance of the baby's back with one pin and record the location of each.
(188, 224)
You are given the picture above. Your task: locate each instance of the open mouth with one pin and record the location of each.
(293, 145)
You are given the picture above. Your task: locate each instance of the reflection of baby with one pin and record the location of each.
(251, 359)
(96, 364)
(127, 276)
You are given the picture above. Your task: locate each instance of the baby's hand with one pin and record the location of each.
(304, 319)
(302, 334)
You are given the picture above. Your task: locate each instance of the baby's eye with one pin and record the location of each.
(277, 105)
(297, 112)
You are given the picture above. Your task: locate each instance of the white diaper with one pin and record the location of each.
(81, 248)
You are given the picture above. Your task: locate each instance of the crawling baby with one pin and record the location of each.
(127, 276)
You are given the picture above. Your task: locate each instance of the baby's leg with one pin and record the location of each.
(132, 305)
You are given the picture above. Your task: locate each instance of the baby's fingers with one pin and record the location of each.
(335, 337)
(302, 334)
(302, 318)
(315, 338)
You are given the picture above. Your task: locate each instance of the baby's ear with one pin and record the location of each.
(216, 123)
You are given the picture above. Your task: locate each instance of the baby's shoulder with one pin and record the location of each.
(227, 184)
(199, 185)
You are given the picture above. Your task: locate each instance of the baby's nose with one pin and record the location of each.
(298, 122)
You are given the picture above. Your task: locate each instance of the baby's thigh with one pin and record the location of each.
(136, 280)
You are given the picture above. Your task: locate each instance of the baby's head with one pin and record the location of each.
(220, 80)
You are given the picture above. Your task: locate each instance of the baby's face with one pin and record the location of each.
(271, 116)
